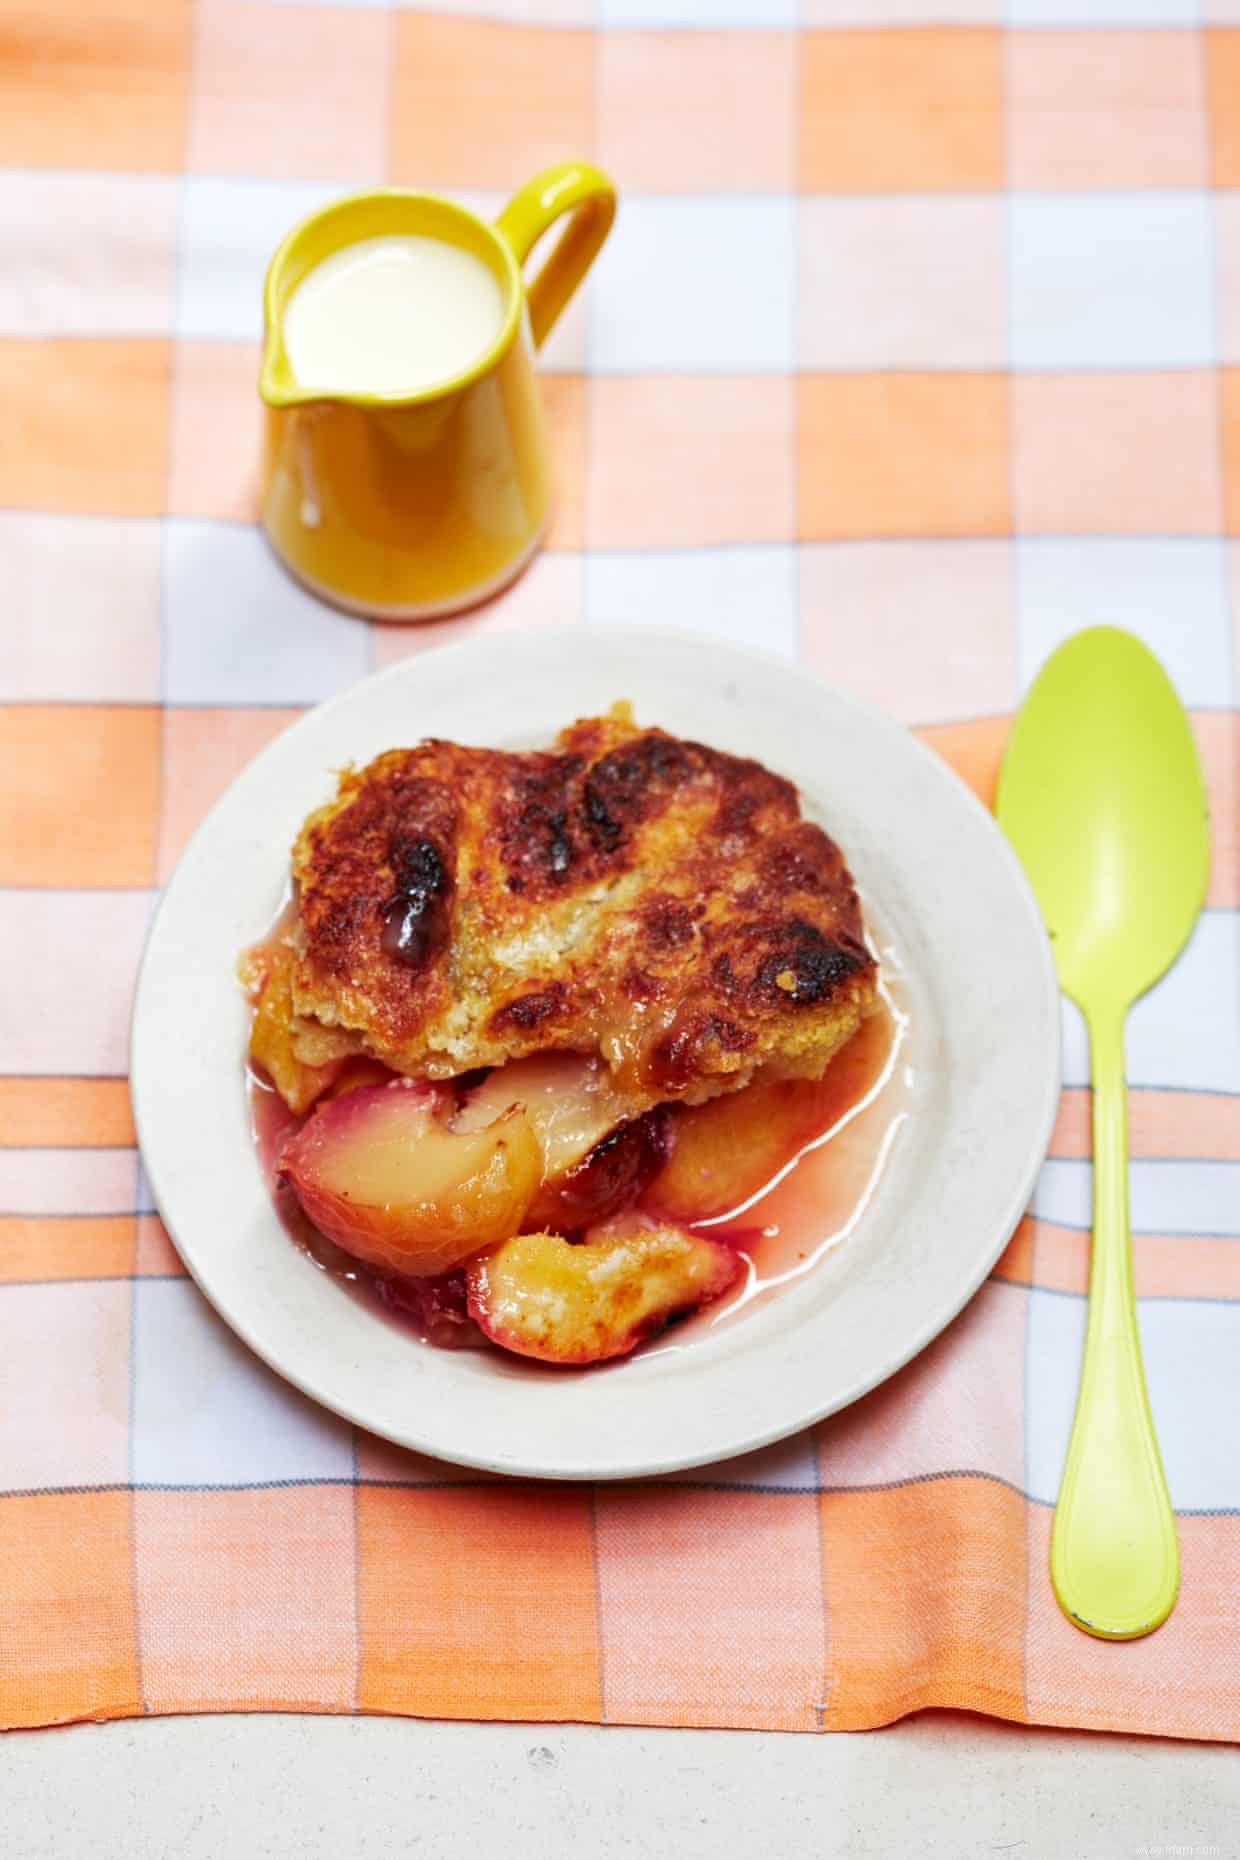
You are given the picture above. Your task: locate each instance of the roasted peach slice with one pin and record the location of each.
(541, 1296)
(606, 1181)
(266, 973)
(569, 1099)
(597, 1157)
(380, 1172)
(724, 1152)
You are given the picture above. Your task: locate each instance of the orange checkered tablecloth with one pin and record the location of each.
(917, 345)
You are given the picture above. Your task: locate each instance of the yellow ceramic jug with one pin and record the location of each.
(406, 506)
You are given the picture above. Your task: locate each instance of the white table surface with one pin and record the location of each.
(258, 1788)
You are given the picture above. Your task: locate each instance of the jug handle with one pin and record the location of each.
(575, 188)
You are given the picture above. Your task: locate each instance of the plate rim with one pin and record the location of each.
(649, 637)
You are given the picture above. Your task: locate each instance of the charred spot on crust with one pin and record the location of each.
(560, 847)
(788, 964)
(627, 783)
(807, 967)
(530, 1010)
(408, 933)
(537, 840)
(380, 856)
(414, 918)
(417, 868)
(602, 827)
(542, 839)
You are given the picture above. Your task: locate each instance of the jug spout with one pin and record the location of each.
(277, 384)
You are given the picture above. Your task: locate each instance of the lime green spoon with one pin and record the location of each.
(1101, 793)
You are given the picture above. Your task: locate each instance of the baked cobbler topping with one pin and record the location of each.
(540, 1013)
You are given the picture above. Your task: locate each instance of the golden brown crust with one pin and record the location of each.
(628, 892)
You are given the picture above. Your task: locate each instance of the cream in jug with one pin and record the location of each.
(392, 316)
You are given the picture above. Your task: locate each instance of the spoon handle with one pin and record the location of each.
(1115, 1561)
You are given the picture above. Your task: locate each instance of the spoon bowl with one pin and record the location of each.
(1102, 796)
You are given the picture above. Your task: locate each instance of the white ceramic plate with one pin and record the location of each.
(984, 1046)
